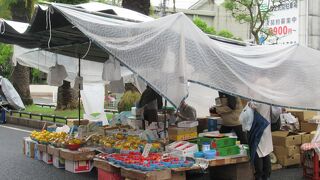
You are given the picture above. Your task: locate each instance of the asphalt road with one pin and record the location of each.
(15, 166)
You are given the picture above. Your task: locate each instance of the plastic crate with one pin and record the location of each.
(310, 164)
(228, 151)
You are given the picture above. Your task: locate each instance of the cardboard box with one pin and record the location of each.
(75, 122)
(302, 115)
(188, 124)
(283, 138)
(181, 131)
(305, 138)
(289, 161)
(308, 127)
(311, 137)
(183, 137)
(103, 175)
(58, 162)
(42, 148)
(29, 147)
(47, 158)
(78, 166)
(76, 155)
(281, 151)
(53, 151)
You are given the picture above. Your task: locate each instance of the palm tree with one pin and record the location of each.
(21, 11)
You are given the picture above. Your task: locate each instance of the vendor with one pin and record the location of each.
(150, 102)
(229, 108)
(186, 113)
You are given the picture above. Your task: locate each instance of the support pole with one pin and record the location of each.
(165, 118)
(79, 94)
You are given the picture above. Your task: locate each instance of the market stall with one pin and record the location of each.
(179, 53)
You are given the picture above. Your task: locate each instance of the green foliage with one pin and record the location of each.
(128, 100)
(5, 56)
(203, 26)
(225, 33)
(253, 12)
(36, 73)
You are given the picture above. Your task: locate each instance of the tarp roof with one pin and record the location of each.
(170, 51)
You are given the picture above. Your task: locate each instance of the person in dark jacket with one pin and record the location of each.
(151, 102)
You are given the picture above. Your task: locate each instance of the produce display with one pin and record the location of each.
(154, 161)
(121, 143)
(57, 139)
(46, 137)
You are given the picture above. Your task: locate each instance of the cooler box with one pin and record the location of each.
(78, 166)
(58, 162)
(47, 158)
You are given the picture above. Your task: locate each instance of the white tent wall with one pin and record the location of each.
(200, 97)
(280, 75)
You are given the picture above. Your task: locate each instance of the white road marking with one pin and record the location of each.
(17, 129)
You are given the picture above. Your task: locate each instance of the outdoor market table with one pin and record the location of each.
(235, 167)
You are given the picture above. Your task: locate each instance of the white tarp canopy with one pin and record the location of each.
(170, 51)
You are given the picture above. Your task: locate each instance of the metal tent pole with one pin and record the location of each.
(79, 94)
(165, 118)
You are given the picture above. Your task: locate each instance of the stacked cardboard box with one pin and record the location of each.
(304, 117)
(286, 147)
(181, 134)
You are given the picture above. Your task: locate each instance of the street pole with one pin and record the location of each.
(163, 13)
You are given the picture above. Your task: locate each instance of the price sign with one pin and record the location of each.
(146, 150)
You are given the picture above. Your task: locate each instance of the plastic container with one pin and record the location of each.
(212, 124)
(210, 154)
(198, 155)
(73, 147)
(205, 146)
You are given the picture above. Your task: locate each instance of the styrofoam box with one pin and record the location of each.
(47, 158)
(58, 162)
(184, 147)
(37, 154)
(78, 166)
(29, 147)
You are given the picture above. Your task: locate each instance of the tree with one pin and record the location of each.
(67, 97)
(20, 10)
(5, 56)
(141, 6)
(254, 12)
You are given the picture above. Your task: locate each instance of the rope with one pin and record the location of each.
(48, 23)
(87, 50)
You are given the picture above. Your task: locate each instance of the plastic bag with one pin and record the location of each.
(288, 118)
(64, 128)
(246, 118)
